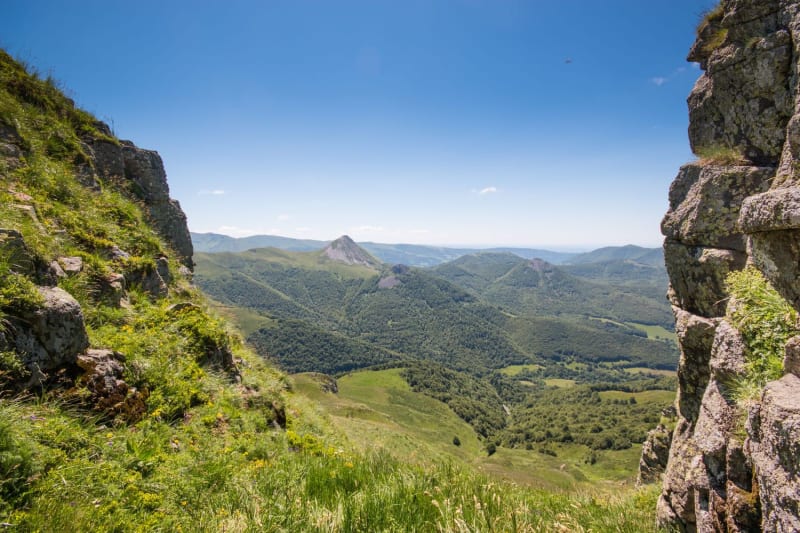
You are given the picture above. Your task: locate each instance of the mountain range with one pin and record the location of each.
(408, 254)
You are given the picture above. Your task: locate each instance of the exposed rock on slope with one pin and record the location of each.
(345, 250)
(738, 205)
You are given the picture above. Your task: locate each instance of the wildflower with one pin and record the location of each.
(109, 435)
(349, 465)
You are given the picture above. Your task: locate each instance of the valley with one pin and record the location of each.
(493, 338)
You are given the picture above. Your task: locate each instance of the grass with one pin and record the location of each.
(560, 382)
(655, 332)
(720, 155)
(513, 370)
(377, 410)
(766, 321)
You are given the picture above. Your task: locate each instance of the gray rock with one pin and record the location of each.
(676, 505)
(774, 210)
(791, 361)
(695, 337)
(56, 270)
(655, 452)
(145, 170)
(705, 201)
(110, 394)
(776, 254)
(727, 353)
(71, 265)
(52, 335)
(743, 100)
(697, 276)
(774, 445)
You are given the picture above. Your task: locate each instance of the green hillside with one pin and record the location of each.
(538, 288)
(454, 343)
(400, 311)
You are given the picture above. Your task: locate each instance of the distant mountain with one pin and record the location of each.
(637, 254)
(215, 243)
(393, 254)
(344, 250)
(537, 288)
(331, 316)
(338, 309)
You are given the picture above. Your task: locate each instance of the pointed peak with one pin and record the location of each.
(345, 250)
(539, 265)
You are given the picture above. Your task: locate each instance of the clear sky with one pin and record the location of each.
(553, 123)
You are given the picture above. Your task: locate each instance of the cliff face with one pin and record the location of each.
(85, 220)
(738, 205)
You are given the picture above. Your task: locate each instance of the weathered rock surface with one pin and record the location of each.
(110, 394)
(726, 211)
(655, 452)
(142, 173)
(145, 170)
(51, 336)
(697, 276)
(704, 203)
(774, 445)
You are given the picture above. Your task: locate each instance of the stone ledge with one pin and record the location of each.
(774, 210)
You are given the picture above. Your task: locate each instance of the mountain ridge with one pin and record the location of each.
(420, 255)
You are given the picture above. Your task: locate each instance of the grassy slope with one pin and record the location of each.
(378, 409)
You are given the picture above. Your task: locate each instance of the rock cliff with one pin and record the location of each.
(85, 219)
(737, 205)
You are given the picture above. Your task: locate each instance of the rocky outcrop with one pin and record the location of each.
(730, 468)
(141, 172)
(655, 453)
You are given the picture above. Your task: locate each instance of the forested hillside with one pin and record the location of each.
(488, 334)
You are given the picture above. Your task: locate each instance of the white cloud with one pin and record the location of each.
(488, 190)
(367, 229)
(283, 217)
(658, 81)
(233, 231)
(214, 192)
(302, 230)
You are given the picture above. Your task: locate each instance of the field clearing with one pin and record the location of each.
(655, 332)
(377, 409)
(560, 382)
(649, 396)
(514, 370)
(644, 371)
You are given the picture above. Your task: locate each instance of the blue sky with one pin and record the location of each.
(479, 122)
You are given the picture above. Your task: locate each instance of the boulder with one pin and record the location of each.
(51, 336)
(103, 378)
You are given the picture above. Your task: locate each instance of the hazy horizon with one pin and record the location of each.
(479, 246)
